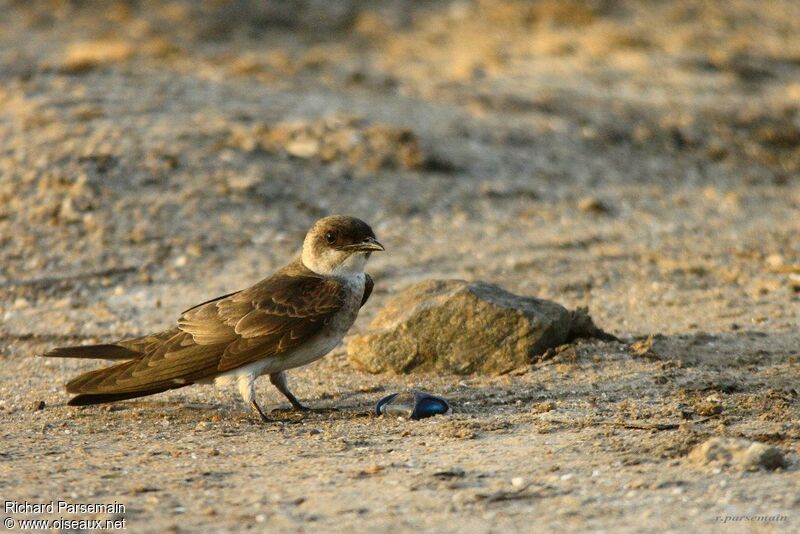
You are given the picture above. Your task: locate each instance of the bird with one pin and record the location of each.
(287, 320)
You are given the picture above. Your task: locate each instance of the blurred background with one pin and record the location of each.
(621, 155)
(577, 149)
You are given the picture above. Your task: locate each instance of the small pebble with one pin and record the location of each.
(737, 453)
(592, 205)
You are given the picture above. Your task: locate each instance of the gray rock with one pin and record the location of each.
(737, 453)
(461, 327)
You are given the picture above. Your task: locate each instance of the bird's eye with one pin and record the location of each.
(330, 237)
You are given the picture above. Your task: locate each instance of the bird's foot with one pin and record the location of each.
(260, 412)
(297, 407)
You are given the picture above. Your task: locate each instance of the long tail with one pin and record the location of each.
(86, 399)
(125, 349)
(97, 352)
(98, 387)
(87, 385)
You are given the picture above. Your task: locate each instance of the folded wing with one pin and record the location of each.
(263, 321)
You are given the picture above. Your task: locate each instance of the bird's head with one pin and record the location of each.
(339, 245)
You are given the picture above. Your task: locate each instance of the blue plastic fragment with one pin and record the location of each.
(383, 402)
(427, 405)
(412, 405)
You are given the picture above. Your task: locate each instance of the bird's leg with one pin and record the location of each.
(279, 381)
(247, 388)
(259, 411)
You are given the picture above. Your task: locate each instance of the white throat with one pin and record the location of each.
(334, 262)
(354, 264)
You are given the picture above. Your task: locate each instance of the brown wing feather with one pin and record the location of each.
(281, 313)
(209, 301)
(149, 343)
(265, 320)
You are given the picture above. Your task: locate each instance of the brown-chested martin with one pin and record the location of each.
(289, 319)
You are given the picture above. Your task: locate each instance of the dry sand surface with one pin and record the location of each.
(637, 158)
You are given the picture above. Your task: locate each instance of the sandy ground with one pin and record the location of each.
(638, 158)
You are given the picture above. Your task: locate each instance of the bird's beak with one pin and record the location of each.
(370, 244)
